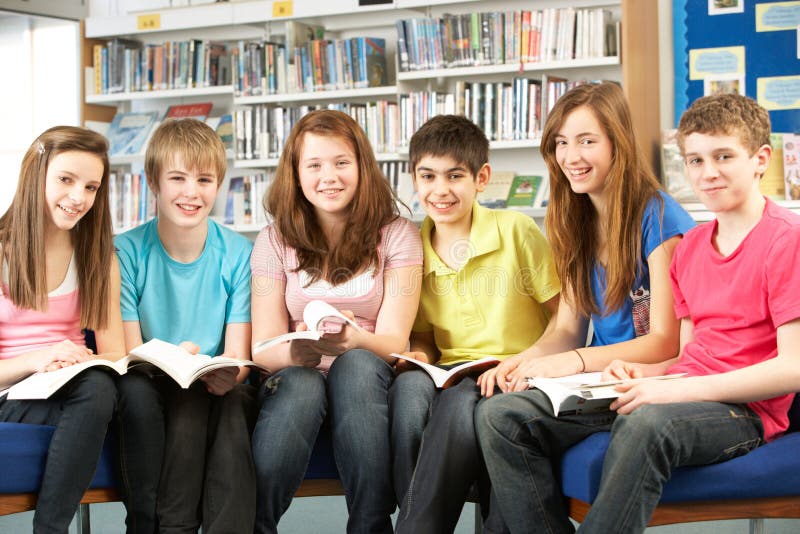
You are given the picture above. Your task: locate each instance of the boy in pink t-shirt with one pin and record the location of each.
(734, 284)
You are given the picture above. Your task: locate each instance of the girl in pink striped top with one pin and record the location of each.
(337, 236)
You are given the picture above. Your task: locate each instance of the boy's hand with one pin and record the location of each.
(402, 365)
(635, 394)
(622, 370)
(189, 347)
(499, 376)
(220, 381)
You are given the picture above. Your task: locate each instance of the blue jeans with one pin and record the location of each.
(294, 404)
(185, 456)
(522, 443)
(448, 463)
(81, 412)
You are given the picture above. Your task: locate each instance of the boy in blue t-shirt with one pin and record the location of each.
(185, 453)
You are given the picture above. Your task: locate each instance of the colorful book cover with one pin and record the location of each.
(523, 191)
(129, 131)
(197, 111)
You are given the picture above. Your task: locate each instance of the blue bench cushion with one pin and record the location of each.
(23, 450)
(772, 470)
(322, 464)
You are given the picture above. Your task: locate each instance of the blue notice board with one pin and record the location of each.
(766, 61)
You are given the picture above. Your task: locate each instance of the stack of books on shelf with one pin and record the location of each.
(261, 130)
(307, 62)
(129, 132)
(507, 37)
(131, 202)
(125, 66)
(505, 111)
(243, 204)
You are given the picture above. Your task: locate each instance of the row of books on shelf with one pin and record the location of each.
(125, 65)
(244, 201)
(131, 202)
(505, 37)
(266, 68)
(261, 130)
(505, 111)
(129, 132)
(781, 181)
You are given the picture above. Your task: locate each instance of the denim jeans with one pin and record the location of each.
(449, 461)
(294, 402)
(410, 400)
(522, 443)
(666, 436)
(206, 474)
(81, 412)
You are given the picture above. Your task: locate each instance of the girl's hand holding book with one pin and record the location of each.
(220, 381)
(62, 354)
(551, 366)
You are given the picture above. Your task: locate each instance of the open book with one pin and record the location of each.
(320, 318)
(179, 364)
(444, 378)
(583, 393)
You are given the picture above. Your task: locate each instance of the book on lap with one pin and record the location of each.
(176, 362)
(320, 318)
(444, 378)
(584, 392)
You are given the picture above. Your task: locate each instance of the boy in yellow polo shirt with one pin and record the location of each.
(489, 287)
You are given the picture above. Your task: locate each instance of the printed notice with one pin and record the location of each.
(777, 16)
(705, 62)
(779, 92)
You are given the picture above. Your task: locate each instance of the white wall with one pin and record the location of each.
(44, 56)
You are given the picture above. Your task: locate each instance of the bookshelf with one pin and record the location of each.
(634, 65)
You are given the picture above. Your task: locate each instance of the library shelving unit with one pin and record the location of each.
(635, 64)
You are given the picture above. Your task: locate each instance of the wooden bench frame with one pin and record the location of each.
(756, 510)
(12, 503)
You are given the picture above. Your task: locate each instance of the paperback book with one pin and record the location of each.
(584, 392)
(444, 378)
(179, 364)
(320, 318)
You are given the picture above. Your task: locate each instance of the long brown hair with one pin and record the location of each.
(571, 218)
(373, 206)
(22, 229)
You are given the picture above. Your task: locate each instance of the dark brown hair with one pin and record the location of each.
(571, 220)
(22, 229)
(373, 206)
(453, 136)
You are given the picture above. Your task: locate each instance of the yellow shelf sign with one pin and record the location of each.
(282, 9)
(151, 21)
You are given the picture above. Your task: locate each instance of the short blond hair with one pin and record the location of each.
(194, 141)
(727, 114)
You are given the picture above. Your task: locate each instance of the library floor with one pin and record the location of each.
(323, 515)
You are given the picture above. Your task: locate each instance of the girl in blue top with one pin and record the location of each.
(613, 231)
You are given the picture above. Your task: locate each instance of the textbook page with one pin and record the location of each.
(584, 392)
(320, 317)
(444, 378)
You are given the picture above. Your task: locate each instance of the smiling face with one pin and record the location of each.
(328, 172)
(185, 195)
(71, 184)
(724, 176)
(447, 189)
(584, 152)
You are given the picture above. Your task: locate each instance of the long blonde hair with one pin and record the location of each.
(373, 206)
(22, 229)
(571, 218)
